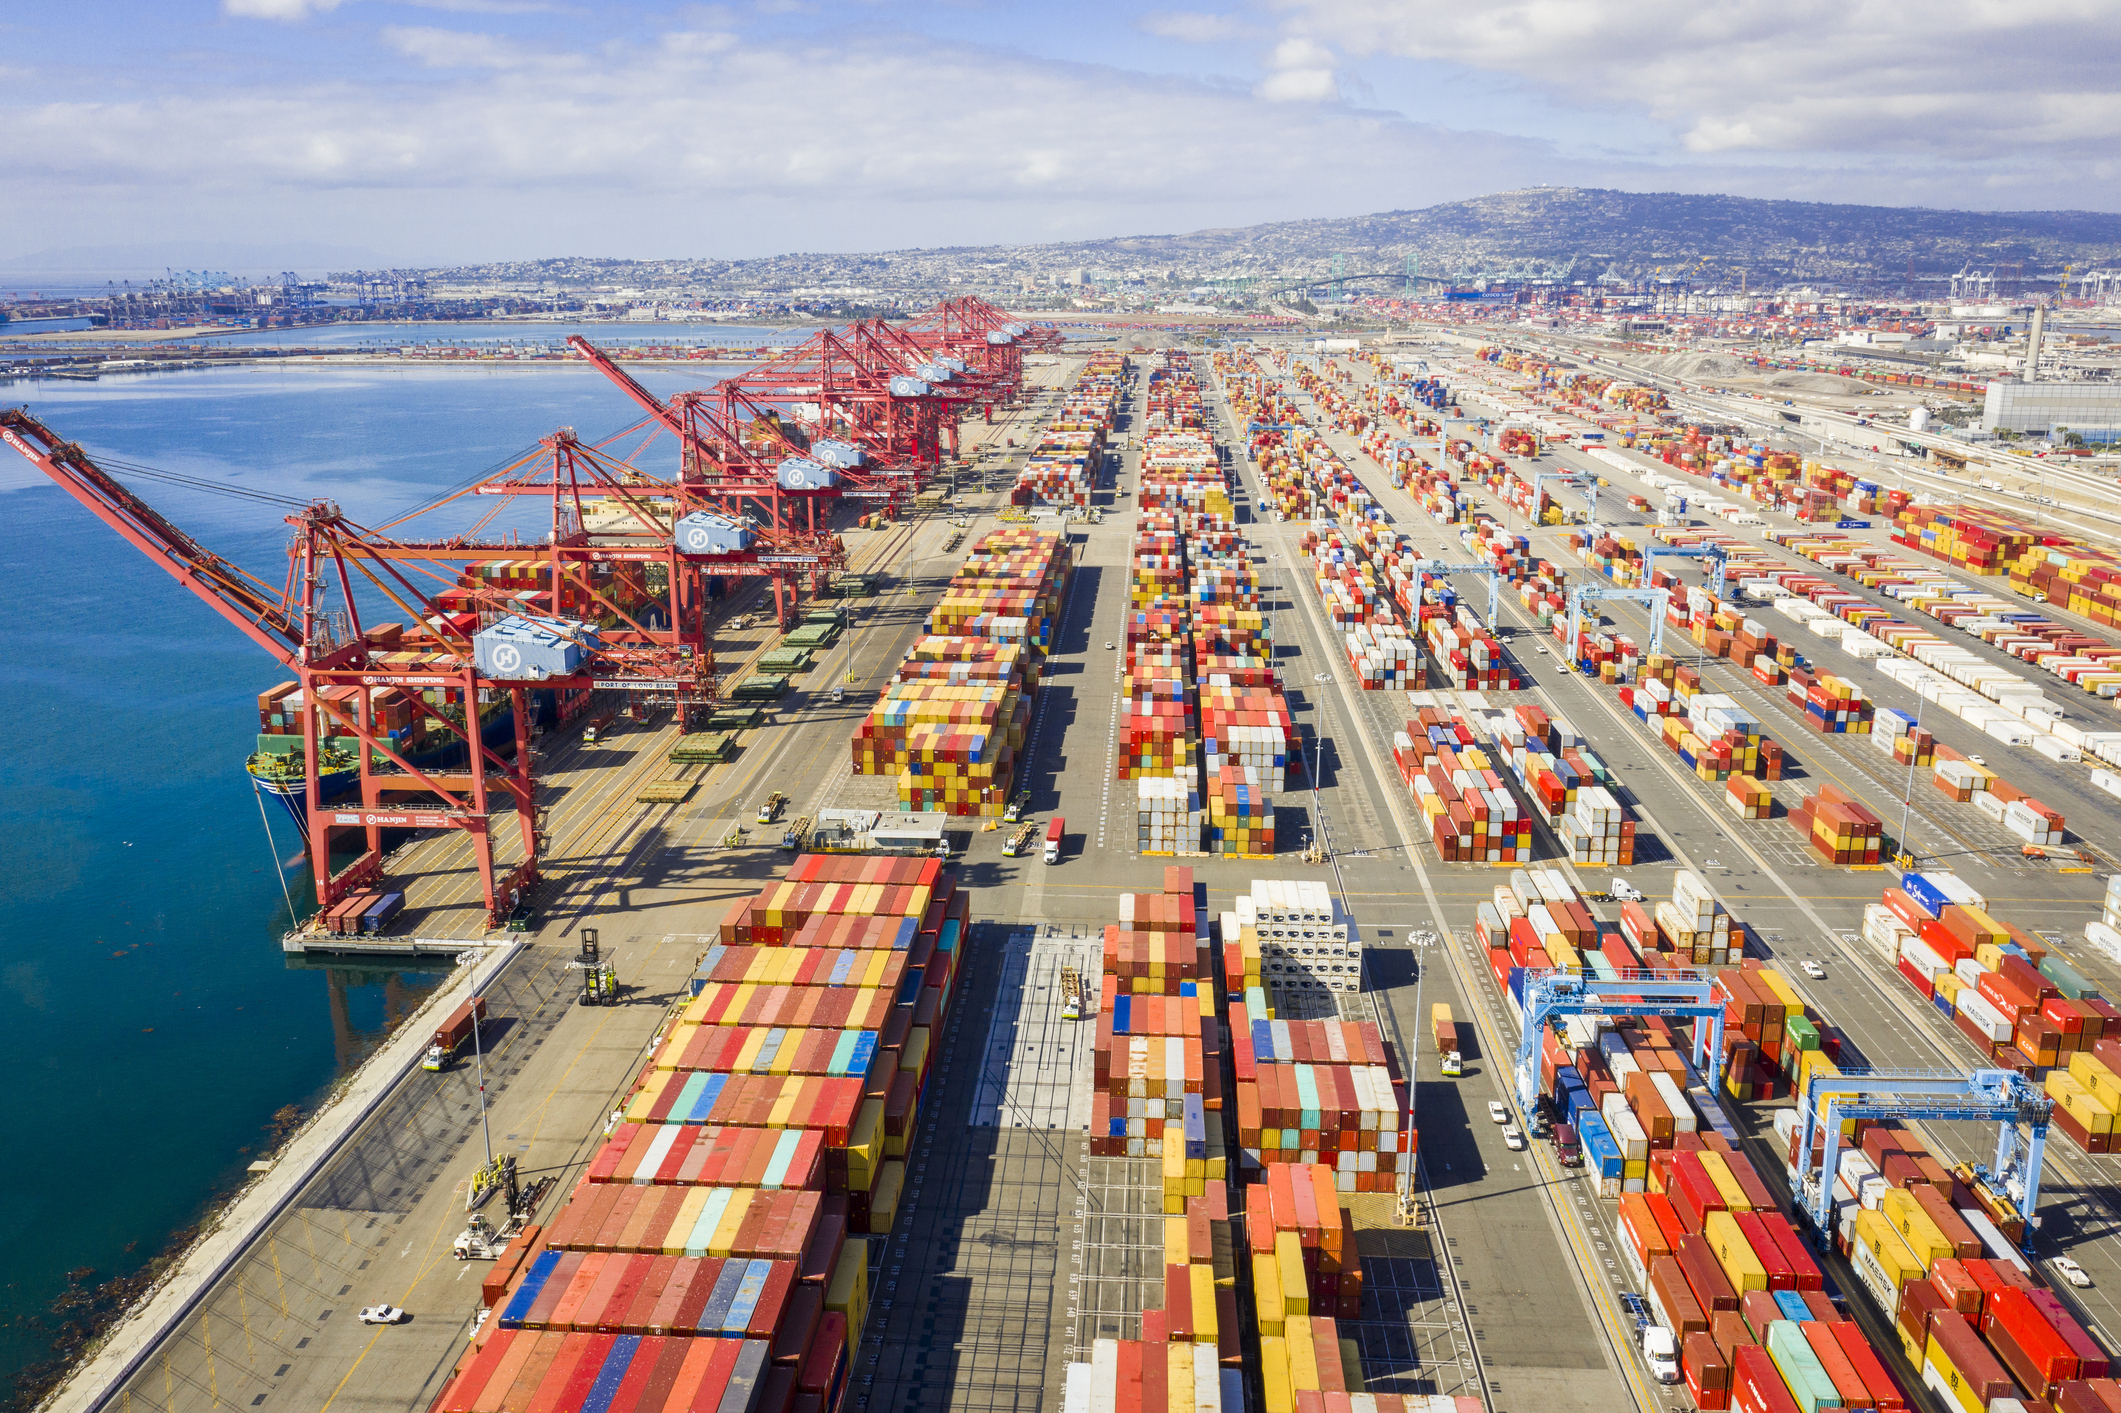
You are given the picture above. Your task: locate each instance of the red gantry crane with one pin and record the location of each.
(611, 596)
(758, 480)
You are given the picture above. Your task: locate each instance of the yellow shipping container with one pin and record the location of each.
(1204, 1326)
(1295, 1292)
(1733, 1252)
(2079, 1101)
(1178, 1378)
(848, 1292)
(1734, 1198)
(1877, 1235)
(2102, 1083)
(1303, 1357)
(1275, 1389)
(883, 1200)
(1784, 992)
(1266, 1292)
(1923, 1237)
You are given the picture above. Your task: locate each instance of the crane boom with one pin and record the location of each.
(241, 598)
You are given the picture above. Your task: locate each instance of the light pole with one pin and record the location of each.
(1907, 800)
(470, 960)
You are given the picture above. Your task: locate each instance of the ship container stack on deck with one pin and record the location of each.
(714, 1254)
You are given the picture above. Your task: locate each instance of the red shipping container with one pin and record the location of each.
(1756, 1386)
(1848, 1384)
(1885, 1390)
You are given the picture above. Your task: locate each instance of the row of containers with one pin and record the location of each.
(1205, 733)
(716, 1251)
(1362, 568)
(2004, 705)
(2014, 997)
(1455, 757)
(1931, 1245)
(1159, 1091)
(1473, 817)
(1195, 1066)
(1540, 921)
(1067, 456)
(2079, 659)
(951, 723)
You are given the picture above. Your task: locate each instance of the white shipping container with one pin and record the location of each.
(2056, 749)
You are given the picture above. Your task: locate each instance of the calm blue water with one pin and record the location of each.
(149, 1025)
(516, 332)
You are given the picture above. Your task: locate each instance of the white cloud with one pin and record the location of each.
(495, 7)
(454, 49)
(1954, 80)
(715, 117)
(276, 9)
(1300, 86)
(1302, 73)
(1193, 27)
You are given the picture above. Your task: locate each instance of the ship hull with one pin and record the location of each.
(292, 791)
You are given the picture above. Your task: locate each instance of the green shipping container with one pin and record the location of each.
(1800, 1367)
(1802, 1033)
(2068, 980)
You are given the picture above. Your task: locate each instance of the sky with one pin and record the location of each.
(421, 132)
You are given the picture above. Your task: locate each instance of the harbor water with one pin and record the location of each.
(154, 1034)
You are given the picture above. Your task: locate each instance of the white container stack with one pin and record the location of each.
(1382, 657)
(1168, 817)
(1264, 750)
(1591, 828)
(1700, 928)
(2026, 822)
(1885, 931)
(1307, 942)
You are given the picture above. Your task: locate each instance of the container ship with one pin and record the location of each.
(276, 766)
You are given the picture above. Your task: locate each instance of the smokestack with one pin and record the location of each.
(2032, 344)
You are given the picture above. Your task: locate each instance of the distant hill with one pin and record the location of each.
(1581, 233)
(1568, 233)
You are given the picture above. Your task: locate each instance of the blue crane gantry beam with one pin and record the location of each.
(1428, 567)
(1998, 1096)
(1714, 554)
(1654, 600)
(1671, 994)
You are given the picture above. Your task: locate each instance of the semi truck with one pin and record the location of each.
(1445, 1032)
(450, 1035)
(1053, 838)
